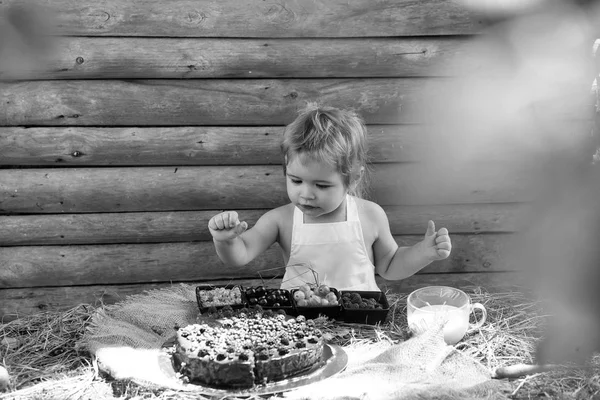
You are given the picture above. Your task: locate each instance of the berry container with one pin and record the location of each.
(270, 298)
(204, 289)
(369, 316)
(312, 312)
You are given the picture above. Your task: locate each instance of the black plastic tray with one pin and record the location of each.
(203, 308)
(314, 312)
(289, 309)
(369, 316)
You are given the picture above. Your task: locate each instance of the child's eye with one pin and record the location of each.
(296, 181)
(323, 186)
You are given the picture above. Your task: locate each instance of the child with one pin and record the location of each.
(327, 227)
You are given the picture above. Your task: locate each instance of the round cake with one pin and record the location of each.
(247, 350)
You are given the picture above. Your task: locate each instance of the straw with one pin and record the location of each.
(41, 353)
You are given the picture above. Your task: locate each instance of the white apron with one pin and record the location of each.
(336, 251)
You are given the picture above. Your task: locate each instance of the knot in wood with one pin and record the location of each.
(79, 60)
(77, 153)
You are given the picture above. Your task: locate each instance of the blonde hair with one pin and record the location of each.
(335, 136)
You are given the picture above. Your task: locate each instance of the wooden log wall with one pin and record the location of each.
(147, 118)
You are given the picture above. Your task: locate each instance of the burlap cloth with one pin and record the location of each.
(126, 339)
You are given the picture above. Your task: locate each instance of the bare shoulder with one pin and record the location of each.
(369, 210)
(279, 213)
(279, 216)
(279, 221)
(373, 220)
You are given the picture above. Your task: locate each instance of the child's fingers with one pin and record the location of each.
(226, 220)
(443, 253)
(444, 246)
(212, 224)
(430, 228)
(442, 231)
(241, 227)
(442, 239)
(230, 219)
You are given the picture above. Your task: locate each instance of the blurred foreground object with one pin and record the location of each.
(526, 103)
(26, 39)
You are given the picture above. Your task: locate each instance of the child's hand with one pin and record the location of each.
(437, 245)
(226, 226)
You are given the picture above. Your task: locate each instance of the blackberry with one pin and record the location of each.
(283, 351)
(202, 353)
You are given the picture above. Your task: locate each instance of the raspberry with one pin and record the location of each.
(355, 298)
(212, 310)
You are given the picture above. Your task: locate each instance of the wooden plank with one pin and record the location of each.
(116, 264)
(257, 18)
(187, 226)
(20, 303)
(216, 145)
(189, 145)
(31, 266)
(171, 102)
(151, 58)
(74, 190)
(199, 102)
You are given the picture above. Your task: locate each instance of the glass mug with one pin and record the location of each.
(442, 304)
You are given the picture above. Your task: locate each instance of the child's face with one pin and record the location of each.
(313, 186)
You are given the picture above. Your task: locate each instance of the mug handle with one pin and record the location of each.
(479, 323)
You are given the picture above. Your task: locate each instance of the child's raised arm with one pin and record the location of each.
(237, 245)
(394, 263)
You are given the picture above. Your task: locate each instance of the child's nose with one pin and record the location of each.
(306, 192)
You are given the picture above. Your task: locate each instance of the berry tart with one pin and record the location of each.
(247, 350)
